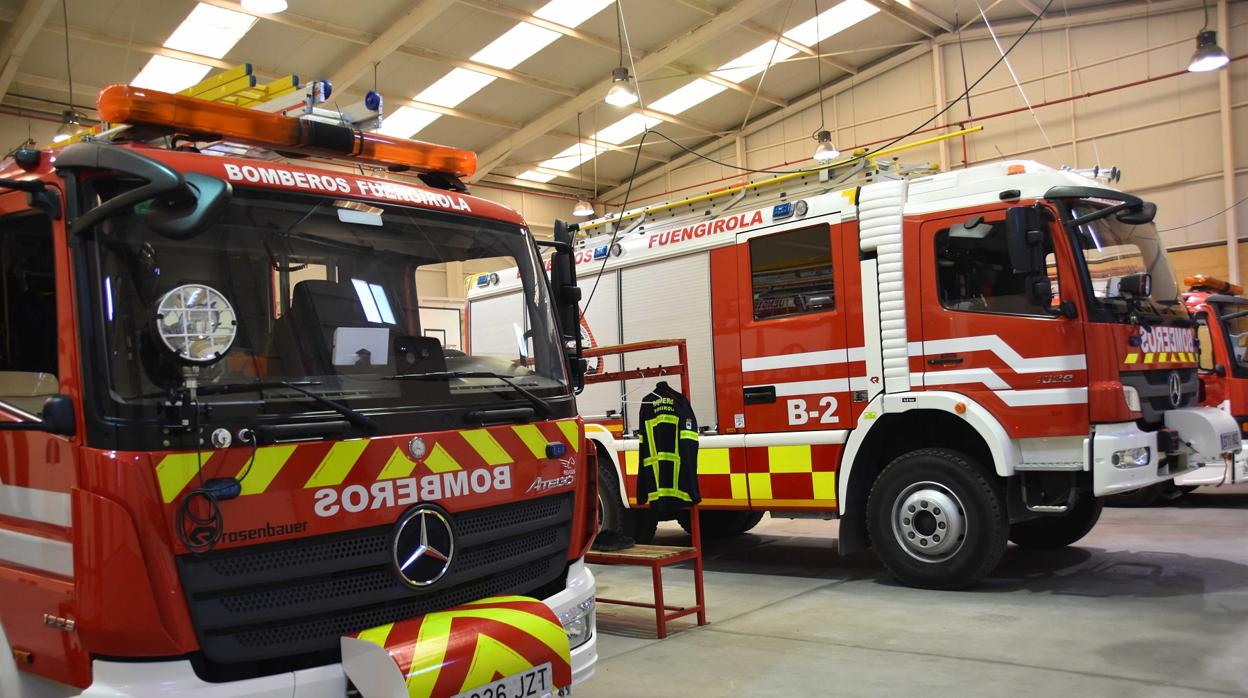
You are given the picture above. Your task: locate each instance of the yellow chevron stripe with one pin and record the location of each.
(1131, 358)
(398, 466)
(572, 433)
(337, 463)
(1161, 358)
(377, 635)
(486, 446)
(533, 438)
(269, 461)
(439, 461)
(175, 470)
(1148, 358)
(789, 459)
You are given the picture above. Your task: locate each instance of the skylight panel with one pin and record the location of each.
(832, 21)
(694, 93)
(405, 121)
(517, 45)
(626, 128)
(454, 87)
(753, 62)
(572, 156)
(534, 176)
(570, 13)
(170, 74)
(210, 31)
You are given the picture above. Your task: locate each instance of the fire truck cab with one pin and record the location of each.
(226, 446)
(940, 361)
(1221, 313)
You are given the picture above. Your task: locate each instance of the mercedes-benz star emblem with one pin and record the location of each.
(1176, 389)
(423, 545)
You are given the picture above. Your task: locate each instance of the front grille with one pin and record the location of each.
(1154, 389)
(257, 606)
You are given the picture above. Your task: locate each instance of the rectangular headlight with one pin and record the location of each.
(578, 623)
(1132, 457)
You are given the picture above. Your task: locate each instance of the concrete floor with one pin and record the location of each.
(1154, 602)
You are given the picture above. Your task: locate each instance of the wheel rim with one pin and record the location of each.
(929, 522)
(602, 511)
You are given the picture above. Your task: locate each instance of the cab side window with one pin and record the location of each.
(973, 270)
(28, 332)
(1205, 341)
(791, 273)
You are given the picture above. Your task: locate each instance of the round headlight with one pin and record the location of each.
(196, 323)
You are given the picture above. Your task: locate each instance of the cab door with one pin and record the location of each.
(797, 369)
(987, 334)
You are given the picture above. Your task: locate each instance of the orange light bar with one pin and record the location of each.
(135, 105)
(1213, 283)
(1016, 170)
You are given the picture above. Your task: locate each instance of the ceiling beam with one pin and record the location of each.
(570, 174)
(903, 17)
(917, 8)
(396, 34)
(705, 32)
(512, 75)
(22, 31)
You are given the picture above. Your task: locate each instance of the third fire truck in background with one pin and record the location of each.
(943, 362)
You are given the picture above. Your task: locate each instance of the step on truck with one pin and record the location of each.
(231, 462)
(942, 361)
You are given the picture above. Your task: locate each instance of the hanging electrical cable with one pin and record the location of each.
(71, 119)
(621, 93)
(1014, 76)
(825, 151)
(583, 207)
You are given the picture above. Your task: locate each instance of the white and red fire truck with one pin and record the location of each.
(943, 362)
(231, 461)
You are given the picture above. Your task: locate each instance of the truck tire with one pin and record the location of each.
(723, 524)
(1058, 531)
(613, 515)
(937, 520)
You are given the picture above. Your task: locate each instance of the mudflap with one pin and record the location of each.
(443, 654)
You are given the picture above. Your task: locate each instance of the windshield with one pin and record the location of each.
(1234, 319)
(1116, 253)
(329, 295)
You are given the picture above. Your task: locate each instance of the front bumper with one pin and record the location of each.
(1200, 430)
(1216, 473)
(177, 678)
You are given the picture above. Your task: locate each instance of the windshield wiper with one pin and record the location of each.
(357, 419)
(541, 405)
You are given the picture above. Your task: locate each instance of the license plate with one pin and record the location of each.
(1230, 442)
(534, 683)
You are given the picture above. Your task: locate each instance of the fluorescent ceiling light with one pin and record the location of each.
(753, 62)
(405, 121)
(454, 87)
(534, 176)
(513, 48)
(210, 31)
(570, 13)
(170, 74)
(694, 93)
(833, 21)
(626, 128)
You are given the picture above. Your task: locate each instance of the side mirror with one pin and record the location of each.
(1133, 286)
(567, 298)
(1040, 291)
(192, 208)
(1144, 213)
(58, 416)
(1024, 238)
(1220, 370)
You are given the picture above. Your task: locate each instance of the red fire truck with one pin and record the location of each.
(943, 362)
(231, 460)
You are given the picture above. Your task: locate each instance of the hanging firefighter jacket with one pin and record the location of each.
(667, 478)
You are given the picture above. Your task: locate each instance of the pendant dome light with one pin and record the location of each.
(621, 93)
(1208, 56)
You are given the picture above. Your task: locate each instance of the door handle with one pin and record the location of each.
(944, 360)
(760, 394)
